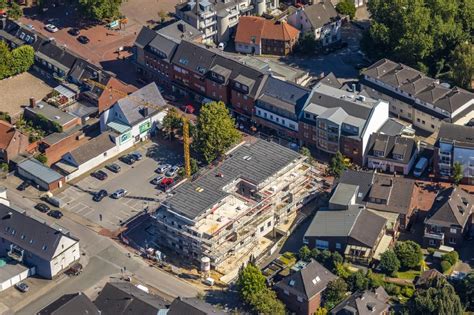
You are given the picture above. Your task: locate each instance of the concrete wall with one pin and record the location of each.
(248, 48)
(378, 117)
(17, 278)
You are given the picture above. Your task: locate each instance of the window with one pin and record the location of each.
(452, 240)
(269, 223)
(453, 231)
(432, 242)
(338, 245)
(322, 244)
(300, 299)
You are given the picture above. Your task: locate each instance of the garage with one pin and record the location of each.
(41, 175)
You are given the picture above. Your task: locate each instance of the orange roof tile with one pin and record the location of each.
(251, 29)
(7, 132)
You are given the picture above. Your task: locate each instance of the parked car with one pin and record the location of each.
(172, 172)
(98, 196)
(54, 201)
(420, 167)
(51, 28)
(55, 214)
(188, 109)
(22, 287)
(83, 39)
(42, 207)
(163, 168)
(119, 193)
(127, 159)
(100, 175)
(136, 155)
(114, 167)
(157, 180)
(166, 182)
(75, 270)
(74, 31)
(221, 46)
(23, 186)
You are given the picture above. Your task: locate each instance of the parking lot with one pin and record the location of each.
(135, 178)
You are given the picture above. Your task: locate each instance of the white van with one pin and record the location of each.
(420, 166)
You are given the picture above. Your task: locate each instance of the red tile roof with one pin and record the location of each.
(7, 132)
(259, 28)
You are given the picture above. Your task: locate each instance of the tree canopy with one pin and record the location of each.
(424, 34)
(253, 290)
(466, 291)
(436, 297)
(457, 173)
(101, 9)
(215, 131)
(334, 293)
(409, 253)
(389, 263)
(15, 61)
(346, 7)
(337, 165)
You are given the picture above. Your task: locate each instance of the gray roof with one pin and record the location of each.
(31, 235)
(82, 109)
(390, 146)
(92, 148)
(71, 304)
(391, 127)
(284, 95)
(56, 137)
(452, 206)
(123, 298)
(364, 303)
(461, 136)
(419, 86)
(165, 45)
(274, 67)
(357, 223)
(342, 195)
(307, 282)
(192, 306)
(145, 36)
(133, 106)
(331, 80)
(262, 160)
(40, 171)
(51, 113)
(321, 13)
(177, 31)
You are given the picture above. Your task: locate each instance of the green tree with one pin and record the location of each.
(409, 253)
(306, 152)
(346, 7)
(4, 167)
(462, 64)
(5, 117)
(3, 4)
(194, 166)
(357, 281)
(389, 263)
(336, 259)
(23, 58)
(163, 15)
(437, 297)
(5, 61)
(250, 281)
(42, 158)
(307, 44)
(172, 121)
(337, 165)
(334, 293)
(445, 266)
(321, 311)
(451, 257)
(215, 131)
(304, 253)
(457, 173)
(465, 290)
(100, 9)
(266, 302)
(15, 11)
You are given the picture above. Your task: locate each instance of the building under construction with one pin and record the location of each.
(225, 212)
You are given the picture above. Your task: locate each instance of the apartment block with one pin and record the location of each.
(225, 213)
(423, 101)
(337, 120)
(455, 144)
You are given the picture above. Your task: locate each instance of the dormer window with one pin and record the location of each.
(398, 157)
(378, 153)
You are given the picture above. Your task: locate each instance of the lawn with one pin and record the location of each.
(408, 275)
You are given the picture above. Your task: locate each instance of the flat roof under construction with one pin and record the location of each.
(253, 162)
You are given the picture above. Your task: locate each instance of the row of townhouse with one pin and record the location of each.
(423, 101)
(326, 118)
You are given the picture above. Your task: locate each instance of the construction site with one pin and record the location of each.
(236, 209)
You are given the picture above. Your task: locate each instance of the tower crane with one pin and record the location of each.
(186, 142)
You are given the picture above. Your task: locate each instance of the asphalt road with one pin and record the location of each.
(103, 258)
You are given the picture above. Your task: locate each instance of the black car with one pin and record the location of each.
(100, 175)
(128, 159)
(113, 167)
(83, 39)
(74, 31)
(98, 196)
(55, 214)
(42, 207)
(23, 186)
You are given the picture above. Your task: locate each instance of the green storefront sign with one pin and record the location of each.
(145, 126)
(125, 137)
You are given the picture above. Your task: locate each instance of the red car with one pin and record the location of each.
(166, 182)
(188, 109)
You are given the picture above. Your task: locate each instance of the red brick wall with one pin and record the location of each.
(57, 150)
(75, 122)
(307, 134)
(18, 144)
(217, 91)
(55, 185)
(352, 149)
(240, 104)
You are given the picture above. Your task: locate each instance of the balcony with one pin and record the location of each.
(16, 253)
(434, 235)
(208, 23)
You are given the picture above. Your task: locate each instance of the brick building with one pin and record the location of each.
(12, 142)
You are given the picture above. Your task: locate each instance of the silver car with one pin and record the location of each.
(172, 171)
(119, 193)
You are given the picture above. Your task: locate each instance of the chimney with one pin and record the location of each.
(145, 111)
(354, 87)
(182, 27)
(32, 102)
